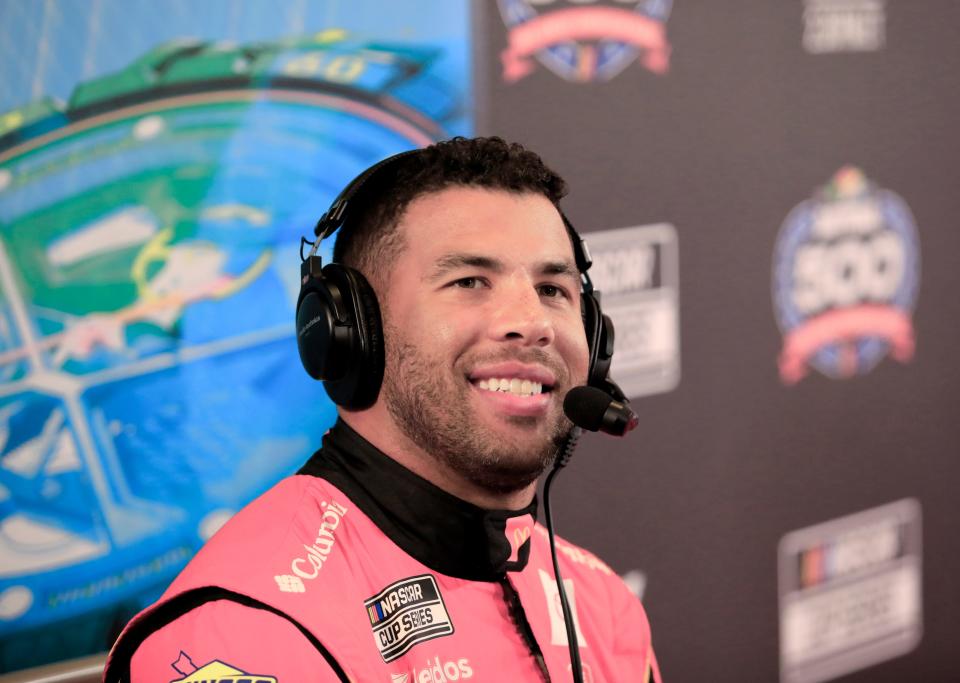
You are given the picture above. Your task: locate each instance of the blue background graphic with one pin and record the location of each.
(158, 165)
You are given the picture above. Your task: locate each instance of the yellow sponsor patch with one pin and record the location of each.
(215, 672)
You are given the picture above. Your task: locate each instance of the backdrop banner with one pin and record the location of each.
(769, 188)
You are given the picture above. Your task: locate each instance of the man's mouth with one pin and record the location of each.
(514, 385)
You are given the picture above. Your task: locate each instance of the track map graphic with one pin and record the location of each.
(149, 271)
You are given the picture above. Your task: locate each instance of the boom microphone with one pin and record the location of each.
(595, 410)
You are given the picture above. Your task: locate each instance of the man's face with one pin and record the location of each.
(483, 333)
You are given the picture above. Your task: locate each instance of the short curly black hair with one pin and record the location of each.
(370, 240)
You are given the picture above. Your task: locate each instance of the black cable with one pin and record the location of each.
(519, 618)
(563, 457)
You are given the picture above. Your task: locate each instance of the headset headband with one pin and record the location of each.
(334, 217)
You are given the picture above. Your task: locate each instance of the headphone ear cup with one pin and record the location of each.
(314, 325)
(372, 361)
(599, 330)
(601, 372)
(362, 357)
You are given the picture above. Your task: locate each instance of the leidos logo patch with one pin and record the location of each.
(215, 671)
(846, 271)
(584, 40)
(436, 671)
(405, 613)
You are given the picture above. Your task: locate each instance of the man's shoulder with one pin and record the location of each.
(275, 524)
(286, 501)
(594, 579)
(272, 562)
(609, 616)
(225, 640)
(288, 495)
(577, 558)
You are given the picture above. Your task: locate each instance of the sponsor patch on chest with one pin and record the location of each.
(405, 613)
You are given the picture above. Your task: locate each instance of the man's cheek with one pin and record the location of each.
(442, 333)
(579, 358)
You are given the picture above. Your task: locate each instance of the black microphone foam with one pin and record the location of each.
(585, 407)
(595, 410)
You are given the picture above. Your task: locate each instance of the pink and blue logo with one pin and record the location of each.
(584, 40)
(846, 272)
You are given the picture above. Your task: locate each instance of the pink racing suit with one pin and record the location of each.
(356, 569)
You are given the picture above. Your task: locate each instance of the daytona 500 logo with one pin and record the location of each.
(846, 270)
(584, 40)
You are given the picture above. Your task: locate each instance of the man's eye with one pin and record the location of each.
(468, 283)
(551, 291)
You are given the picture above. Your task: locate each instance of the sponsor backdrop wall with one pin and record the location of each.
(159, 162)
(768, 190)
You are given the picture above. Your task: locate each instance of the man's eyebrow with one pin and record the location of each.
(561, 268)
(454, 261)
(448, 262)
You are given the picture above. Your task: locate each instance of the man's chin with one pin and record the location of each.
(526, 445)
(511, 472)
(520, 434)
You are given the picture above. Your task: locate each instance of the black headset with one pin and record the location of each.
(339, 330)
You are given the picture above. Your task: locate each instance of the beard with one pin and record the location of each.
(434, 411)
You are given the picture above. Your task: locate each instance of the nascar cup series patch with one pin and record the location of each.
(584, 40)
(846, 271)
(406, 613)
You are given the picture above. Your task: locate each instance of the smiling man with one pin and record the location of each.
(448, 330)
(474, 325)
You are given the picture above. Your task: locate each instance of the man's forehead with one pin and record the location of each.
(497, 218)
(449, 262)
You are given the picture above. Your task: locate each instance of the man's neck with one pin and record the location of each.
(376, 426)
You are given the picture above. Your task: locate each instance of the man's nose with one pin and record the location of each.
(521, 316)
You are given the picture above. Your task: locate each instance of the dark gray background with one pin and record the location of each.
(745, 126)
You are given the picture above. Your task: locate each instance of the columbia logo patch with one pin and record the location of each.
(289, 584)
(405, 613)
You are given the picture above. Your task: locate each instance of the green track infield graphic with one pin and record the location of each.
(149, 271)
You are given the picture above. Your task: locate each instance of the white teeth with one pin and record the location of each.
(520, 387)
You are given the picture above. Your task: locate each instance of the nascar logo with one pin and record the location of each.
(845, 277)
(406, 613)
